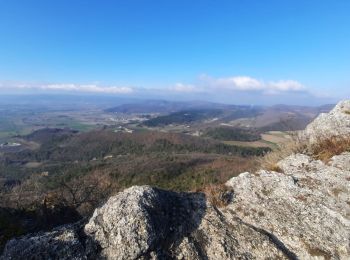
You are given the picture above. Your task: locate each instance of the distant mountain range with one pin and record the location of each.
(163, 106)
(266, 118)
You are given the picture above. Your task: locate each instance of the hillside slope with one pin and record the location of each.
(300, 212)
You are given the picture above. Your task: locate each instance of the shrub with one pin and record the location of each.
(219, 195)
(323, 149)
(270, 160)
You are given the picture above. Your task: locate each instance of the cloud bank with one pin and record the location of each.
(241, 84)
(89, 88)
(180, 87)
(237, 89)
(204, 84)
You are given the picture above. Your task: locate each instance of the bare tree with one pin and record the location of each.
(84, 193)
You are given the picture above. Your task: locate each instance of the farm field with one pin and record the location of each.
(269, 139)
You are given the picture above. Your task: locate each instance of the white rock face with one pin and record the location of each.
(301, 212)
(122, 225)
(306, 207)
(147, 223)
(334, 123)
(341, 161)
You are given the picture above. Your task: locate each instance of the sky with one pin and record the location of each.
(237, 51)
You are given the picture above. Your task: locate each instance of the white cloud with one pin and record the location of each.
(286, 85)
(180, 87)
(205, 84)
(245, 83)
(88, 88)
(91, 88)
(234, 83)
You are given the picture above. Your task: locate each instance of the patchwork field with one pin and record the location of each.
(269, 139)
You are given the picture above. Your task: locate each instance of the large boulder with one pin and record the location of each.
(144, 221)
(335, 123)
(149, 223)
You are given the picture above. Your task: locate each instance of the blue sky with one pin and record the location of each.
(282, 51)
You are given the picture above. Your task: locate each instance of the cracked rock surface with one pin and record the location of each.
(306, 207)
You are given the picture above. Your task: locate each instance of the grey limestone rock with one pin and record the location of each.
(305, 206)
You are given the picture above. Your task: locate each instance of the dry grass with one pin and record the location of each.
(347, 112)
(325, 149)
(219, 195)
(275, 168)
(270, 160)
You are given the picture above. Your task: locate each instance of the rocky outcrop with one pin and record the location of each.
(142, 222)
(300, 212)
(148, 223)
(334, 123)
(306, 205)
